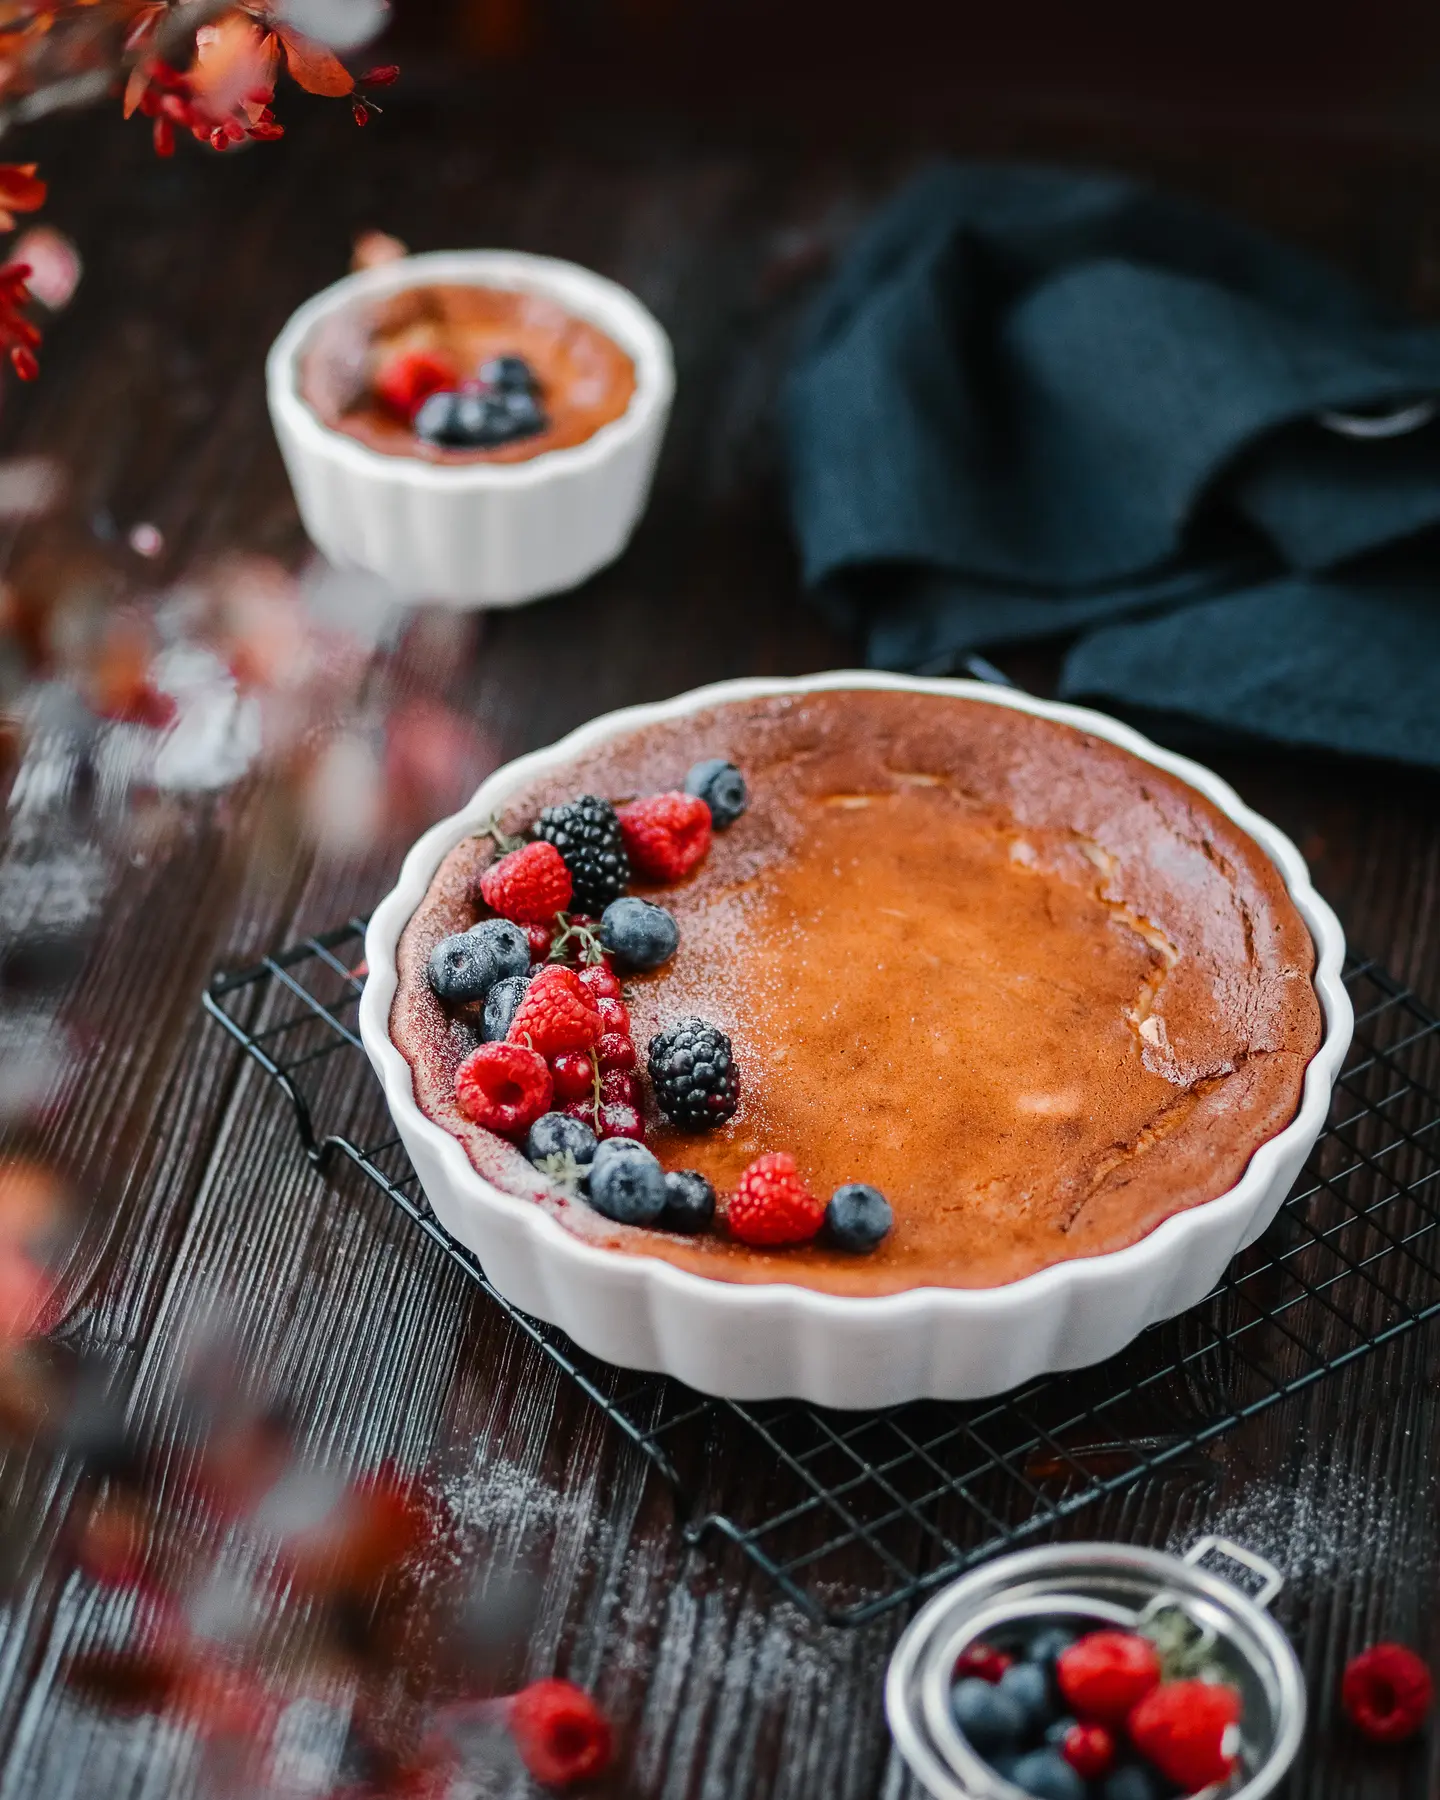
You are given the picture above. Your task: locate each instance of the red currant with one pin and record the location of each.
(573, 1075)
(541, 937)
(613, 1016)
(1089, 1750)
(616, 1085)
(602, 981)
(583, 1110)
(618, 1120)
(615, 1052)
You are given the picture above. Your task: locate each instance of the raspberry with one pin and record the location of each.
(574, 1075)
(530, 885)
(1189, 1730)
(1105, 1673)
(586, 832)
(556, 1014)
(561, 1734)
(409, 379)
(772, 1205)
(1089, 1750)
(614, 1015)
(602, 981)
(983, 1661)
(1386, 1690)
(696, 1083)
(617, 1086)
(540, 938)
(504, 1087)
(666, 835)
(619, 1120)
(615, 1052)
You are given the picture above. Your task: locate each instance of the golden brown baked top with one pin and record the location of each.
(586, 379)
(1040, 992)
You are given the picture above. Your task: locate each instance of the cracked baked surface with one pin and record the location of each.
(1040, 992)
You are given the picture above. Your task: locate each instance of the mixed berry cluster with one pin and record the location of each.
(499, 404)
(1099, 1715)
(557, 1069)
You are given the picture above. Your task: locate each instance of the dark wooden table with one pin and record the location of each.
(197, 1199)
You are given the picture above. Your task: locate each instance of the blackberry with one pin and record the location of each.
(693, 1069)
(586, 832)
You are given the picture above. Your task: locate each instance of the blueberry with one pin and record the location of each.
(637, 933)
(501, 1004)
(627, 1183)
(524, 414)
(507, 944)
(509, 375)
(689, 1202)
(466, 419)
(722, 787)
(857, 1217)
(988, 1719)
(1048, 1646)
(461, 970)
(1025, 1684)
(1048, 1776)
(1133, 1781)
(557, 1134)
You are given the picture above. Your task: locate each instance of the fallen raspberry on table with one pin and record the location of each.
(529, 886)
(557, 1014)
(560, 1732)
(1089, 1750)
(1190, 1731)
(1106, 1673)
(771, 1204)
(665, 836)
(504, 1087)
(1387, 1690)
(409, 379)
(981, 1662)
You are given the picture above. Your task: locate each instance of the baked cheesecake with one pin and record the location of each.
(452, 373)
(1037, 991)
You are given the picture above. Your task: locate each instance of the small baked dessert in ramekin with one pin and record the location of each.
(1056, 997)
(477, 427)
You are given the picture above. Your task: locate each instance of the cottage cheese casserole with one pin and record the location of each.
(1041, 994)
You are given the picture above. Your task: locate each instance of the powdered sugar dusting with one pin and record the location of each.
(1315, 1532)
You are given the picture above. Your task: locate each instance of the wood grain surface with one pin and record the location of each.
(197, 1199)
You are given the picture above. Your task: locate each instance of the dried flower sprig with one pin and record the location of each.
(203, 67)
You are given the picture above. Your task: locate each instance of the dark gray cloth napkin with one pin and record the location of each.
(1034, 403)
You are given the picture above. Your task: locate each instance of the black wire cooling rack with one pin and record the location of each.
(855, 1513)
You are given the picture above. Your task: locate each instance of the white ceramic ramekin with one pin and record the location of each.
(751, 1342)
(477, 534)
